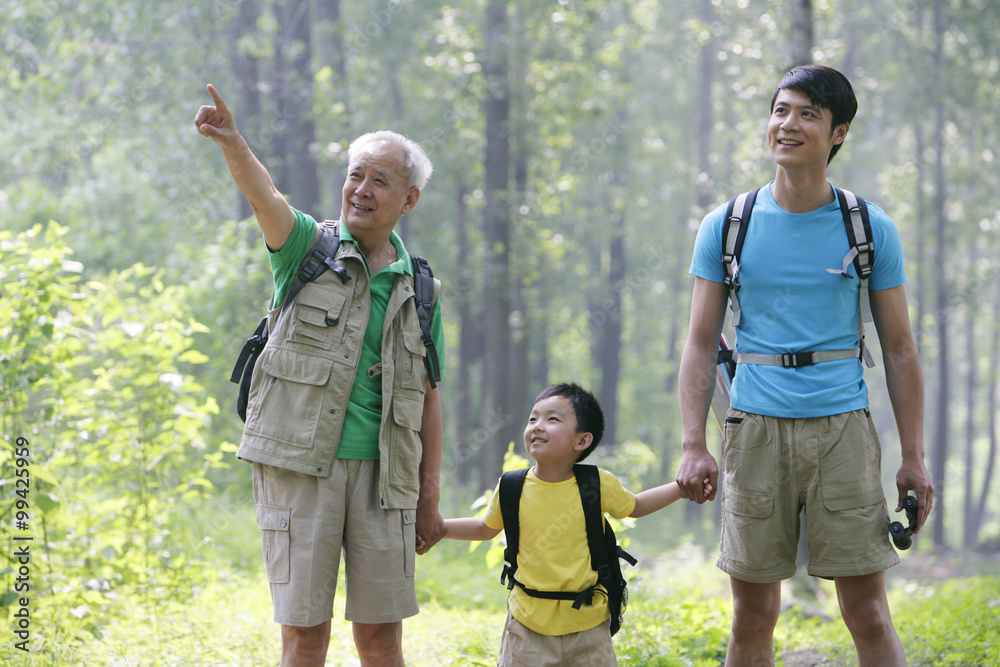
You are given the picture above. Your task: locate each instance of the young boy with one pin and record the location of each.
(565, 425)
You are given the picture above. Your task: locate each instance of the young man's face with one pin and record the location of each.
(375, 190)
(551, 435)
(799, 133)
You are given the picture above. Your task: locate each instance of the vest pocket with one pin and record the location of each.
(406, 449)
(315, 318)
(291, 397)
(274, 522)
(411, 373)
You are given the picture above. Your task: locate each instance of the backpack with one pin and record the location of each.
(861, 253)
(320, 258)
(604, 549)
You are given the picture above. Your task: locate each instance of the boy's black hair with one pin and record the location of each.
(588, 411)
(826, 88)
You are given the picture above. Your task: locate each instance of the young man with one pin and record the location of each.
(565, 425)
(800, 439)
(335, 406)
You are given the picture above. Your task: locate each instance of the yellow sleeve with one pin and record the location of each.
(616, 500)
(493, 517)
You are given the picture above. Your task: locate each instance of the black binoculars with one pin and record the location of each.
(903, 537)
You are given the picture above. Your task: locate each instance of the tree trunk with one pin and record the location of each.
(939, 446)
(497, 415)
(465, 449)
(969, 499)
(802, 32)
(521, 320)
(331, 50)
(246, 76)
(298, 176)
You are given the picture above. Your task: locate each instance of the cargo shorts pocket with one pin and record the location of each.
(274, 522)
(409, 519)
(850, 467)
(749, 466)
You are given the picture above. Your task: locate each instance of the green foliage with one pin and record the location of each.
(98, 378)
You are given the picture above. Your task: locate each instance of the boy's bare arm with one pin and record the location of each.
(651, 500)
(469, 528)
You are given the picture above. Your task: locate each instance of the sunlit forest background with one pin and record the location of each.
(577, 145)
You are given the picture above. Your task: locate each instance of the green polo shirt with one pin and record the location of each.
(359, 438)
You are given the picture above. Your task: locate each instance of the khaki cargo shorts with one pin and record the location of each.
(523, 647)
(306, 521)
(828, 467)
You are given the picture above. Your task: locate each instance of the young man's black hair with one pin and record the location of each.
(826, 88)
(588, 411)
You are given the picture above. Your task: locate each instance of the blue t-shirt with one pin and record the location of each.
(791, 303)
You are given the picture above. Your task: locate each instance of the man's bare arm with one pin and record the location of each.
(273, 213)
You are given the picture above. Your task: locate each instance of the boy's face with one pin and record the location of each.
(799, 133)
(551, 435)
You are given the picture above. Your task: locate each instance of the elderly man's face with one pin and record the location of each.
(375, 191)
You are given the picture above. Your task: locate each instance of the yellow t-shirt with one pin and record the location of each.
(553, 554)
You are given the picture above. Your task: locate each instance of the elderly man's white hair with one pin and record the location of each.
(418, 165)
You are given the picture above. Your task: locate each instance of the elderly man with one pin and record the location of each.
(343, 426)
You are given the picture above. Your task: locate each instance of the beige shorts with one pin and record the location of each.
(521, 646)
(828, 467)
(306, 521)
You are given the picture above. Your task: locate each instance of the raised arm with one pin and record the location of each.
(904, 380)
(696, 387)
(273, 213)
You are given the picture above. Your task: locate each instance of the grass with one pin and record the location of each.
(679, 615)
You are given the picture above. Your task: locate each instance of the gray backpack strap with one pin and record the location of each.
(862, 254)
(734, 232)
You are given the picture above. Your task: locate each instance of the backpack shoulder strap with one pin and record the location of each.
(588, 479)
(426, 288)
(862, 253)
(317, 260)
(511, 484)
(734, 232)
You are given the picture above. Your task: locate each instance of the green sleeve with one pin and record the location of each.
(437, 333)
(285, 262)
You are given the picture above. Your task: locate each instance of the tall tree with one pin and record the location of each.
(297, 174)
(801, 32)
(939, 443)
(246, 76)
(497, 412)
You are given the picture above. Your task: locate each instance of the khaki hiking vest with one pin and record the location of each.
(304, 376)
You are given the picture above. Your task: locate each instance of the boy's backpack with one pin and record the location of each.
(604, 549)
(861, 252)
(320, 258)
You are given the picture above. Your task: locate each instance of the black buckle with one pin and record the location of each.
(797, 360)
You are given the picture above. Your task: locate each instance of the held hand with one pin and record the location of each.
(913, 476)
(698, 476)
(430, 528)
(216, 122)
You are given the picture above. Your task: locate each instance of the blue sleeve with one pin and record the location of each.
(706, 262)
(888, 270)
